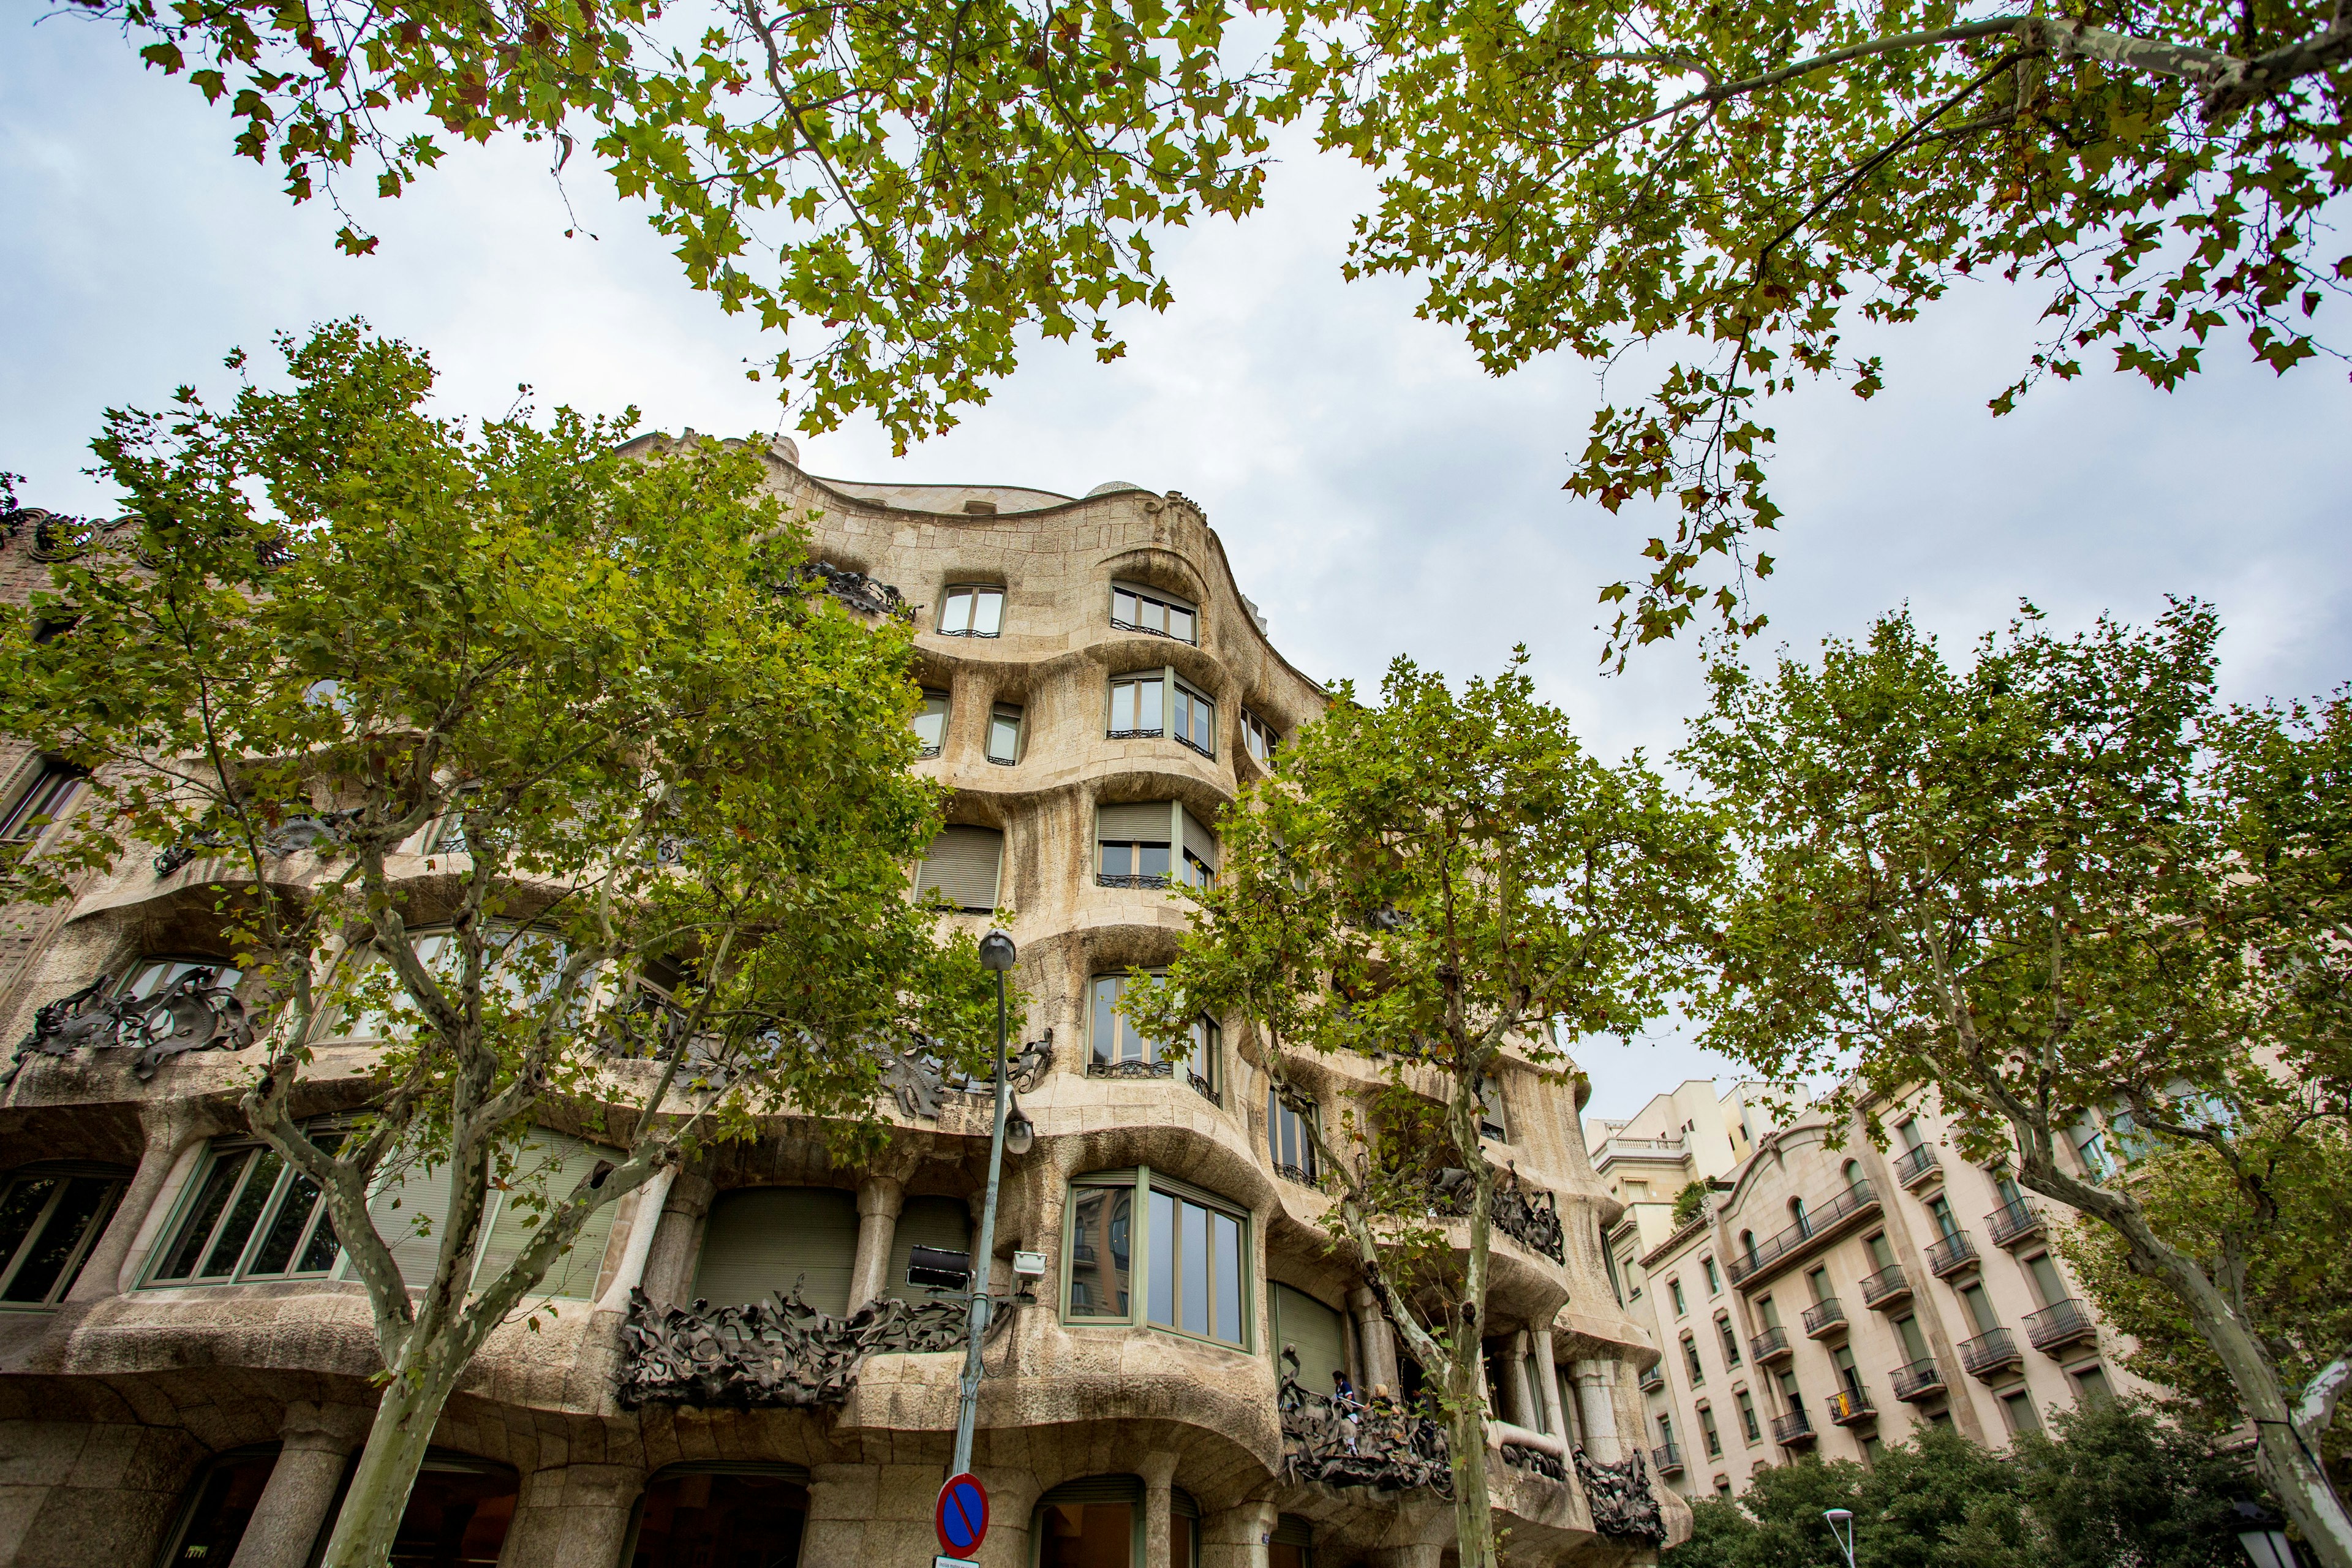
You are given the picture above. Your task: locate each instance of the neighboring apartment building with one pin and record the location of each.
(183, 1371)
(1831, 1301)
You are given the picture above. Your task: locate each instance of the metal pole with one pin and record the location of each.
(983, 1256)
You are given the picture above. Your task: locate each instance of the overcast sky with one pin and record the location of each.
(1376, 492)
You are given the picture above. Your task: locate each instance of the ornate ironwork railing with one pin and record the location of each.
(1529, 1215)
(1920, 1379)
(1888, 1285)
(2014, 1222)
(1620, 1497)
(782, 1351)
(1916, 1166)
(1299, 1173)
(1205, 1088)
(1131, 879)
(1132, 734)
(1849, 1406)
(1816, 1224)
(1765, 1346)
(1653, 1379)
(321, 831)
(1950, 1255)
(1187, 741)
(1379, 1445)
(1118, 625)
(859, 591)
(192, 1013)
(1793, 1428)
(1131, 1070)
(1990, 1352)
(1826, 1316)
(2060, 1324)
(1668, 1458)
(1535, 1461)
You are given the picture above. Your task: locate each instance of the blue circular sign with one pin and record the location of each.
(962, 1515)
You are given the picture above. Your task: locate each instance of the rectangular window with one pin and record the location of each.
(932, 722)
(1133, 844)
(1729, 1340)
(1748, 1426)
(963, 864)
(1196, 720)
(1199, 867)
(1120, 1049)
(1194, 1254)
(1491, 1123)
(2046, 1282)
(1288, 1145)
(1134, 609)
(1915, 1343)
(1972, 1297)
(972, 611)
(2091, 1385)
(2018, 1410)
(253, 1216)
(1136, 709)
(1713, 1281)
(1690, 1361)
(1259, 739)
(1707, 1428)
(1674, 1289)
(41, 802)
(49, 1219)
(1005, 734)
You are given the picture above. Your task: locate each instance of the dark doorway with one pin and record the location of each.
(721, 1521)
(212, 1520)
(457, 1515)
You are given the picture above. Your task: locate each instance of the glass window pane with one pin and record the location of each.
(1004, 736)
(956, 616)
(931, 724)
(1105, 1021)
(285, 1228)
(1151, 859)
(1122, 705)
(1180, 623)
(1099, 1224)
(324, 1248)
(1225, 1234)
(1155, 615)
(1162, 1286)
(19, 1210)
(1204, 724)
(245, 1213)
(209, 1203)
(1147, 699)
(84, 1206)
(1192, 1269)
(988, 612)
(1122, 607)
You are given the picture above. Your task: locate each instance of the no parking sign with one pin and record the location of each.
(962, 1516)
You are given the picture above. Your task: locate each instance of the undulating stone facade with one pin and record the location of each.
(1101, 689)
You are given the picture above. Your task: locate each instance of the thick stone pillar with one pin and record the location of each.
(1527, 1408)
(572, 1516)
(1238, 1537)
(677, 1240)
(1596, 1387)
(1548, 1373)
(293, 1507)
(174, 1137)
(1376, 1339)
(879, 1199)
(1159, 1472)
(644, 1221)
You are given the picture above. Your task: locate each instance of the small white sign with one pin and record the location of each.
(950, 1562)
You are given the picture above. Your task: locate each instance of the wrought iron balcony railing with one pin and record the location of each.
(1667, 1458)
(1794, 1430)
(1770, 1345)
(1815, 1225)
(1885, 1287)
(1990, 1354)
(1850, 1407)
(1914, 1166)
(2014, 1222)
(1824, 1317)
(1653, 1381)
(1919, 1381)
(1950, 1255)
(2057, 1326)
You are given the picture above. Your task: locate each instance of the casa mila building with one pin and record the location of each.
(732, 1369)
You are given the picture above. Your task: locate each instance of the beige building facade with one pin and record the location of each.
(184, 1368)
(1830, 1299)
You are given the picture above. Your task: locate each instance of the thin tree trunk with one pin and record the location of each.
(386, 1472)
(1473, 1513)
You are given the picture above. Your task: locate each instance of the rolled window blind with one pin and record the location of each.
(1320, 1334)
(926, 1222)
(1142, 822)
(760, 1240)
(553, 1164)
(1200, 841)
(962, 864)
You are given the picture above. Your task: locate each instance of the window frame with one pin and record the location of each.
(1274, 1113)
(1143, 1182)
(1260, 740)
(1166, 602)
(47, 793)
(1194, 699)
(948, 596)
(1207, 1038)
(1019, 713)
(64, 1173)
(251, 1152)
(946, 701)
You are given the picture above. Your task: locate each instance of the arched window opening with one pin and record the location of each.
(721, 1512)
(1097, 1522)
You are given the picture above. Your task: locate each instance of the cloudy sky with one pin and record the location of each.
(1377, 493)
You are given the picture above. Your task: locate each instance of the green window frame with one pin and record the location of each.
(51, 1215)
(248, 1216)
(1141, 1248)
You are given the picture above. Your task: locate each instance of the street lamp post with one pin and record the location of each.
(996, 953)
(1842, 1530)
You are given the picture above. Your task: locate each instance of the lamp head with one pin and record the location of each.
(1020, 1133)
(1838, 1515)
(996, 951)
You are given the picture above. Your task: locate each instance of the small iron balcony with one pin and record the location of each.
(1886, 1288)
(1667, 1460)
(1653, 1381)
(1914, 1166)
(2014, 1222)
(1952, 1255)
(1990, 1354)
(1824, 1317)
(1794, 1430)
(1770, 1345)
(1919, 1381)
(2054, 1328)
(1852, 1406)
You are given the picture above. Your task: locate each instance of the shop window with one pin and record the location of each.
(1293, 1546)
(971, 610)
(1192, 1252)
(408, 1209)
(1288, 1145)
(764, 1241)
(932, 722)
(1135, 608)
(963, 866)
(1097, 1522)
(721, 1515)
(1183, 1529)
(219, 1504)
(50, 1216)
(251, 1216)
(1005, 734)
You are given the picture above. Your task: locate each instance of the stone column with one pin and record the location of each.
(572, 1516)
(1378, 1345)
(676, 1241)
(174, 1135)
(1238, 1538)
(1159, 1472)
(1548, 1373)
(1596, 1387)
(642, 1222)
(1526, 1407)
(1407, 1557)
(293, 1507)
(879, 1199)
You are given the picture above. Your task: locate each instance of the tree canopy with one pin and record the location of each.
(535, 768)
